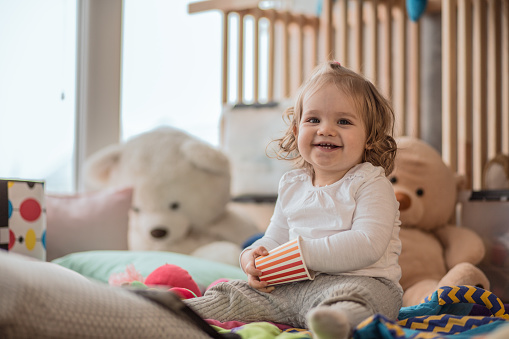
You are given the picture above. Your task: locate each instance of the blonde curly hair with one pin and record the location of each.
(376, 114)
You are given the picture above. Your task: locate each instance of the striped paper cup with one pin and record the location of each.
(284, 264)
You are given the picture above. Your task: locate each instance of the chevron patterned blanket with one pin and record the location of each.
(451, 312)
(447, 313)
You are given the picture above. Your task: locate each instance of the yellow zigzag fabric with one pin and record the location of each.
(470, 295)
(441, 315)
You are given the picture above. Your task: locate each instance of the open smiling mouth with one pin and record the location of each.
(327, 146)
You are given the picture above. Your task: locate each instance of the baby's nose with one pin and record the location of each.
(326, 130)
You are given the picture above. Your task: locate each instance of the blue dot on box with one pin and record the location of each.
(10, 208)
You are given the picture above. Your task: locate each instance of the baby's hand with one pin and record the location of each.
(253, 274)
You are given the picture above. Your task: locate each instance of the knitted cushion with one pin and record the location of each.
(45, 300)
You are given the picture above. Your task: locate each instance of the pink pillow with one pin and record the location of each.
(87, 222)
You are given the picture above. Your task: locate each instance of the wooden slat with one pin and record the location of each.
(315, 31)
(449, 133)
(240, 54)
(286, 55)
(256, 56)
(373, 32)
(494, 79)
(301, 50)
(479, 91)
(386, 71)
(271, 55)
(414, 92)
(505, 77)
(357, 36)
(226, 29)
(400, 62)
(327, 26)
(465, 90)
(341, 49)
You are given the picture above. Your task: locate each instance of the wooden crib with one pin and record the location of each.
(267, 52)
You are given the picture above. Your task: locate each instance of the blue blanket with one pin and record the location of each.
(444, 314)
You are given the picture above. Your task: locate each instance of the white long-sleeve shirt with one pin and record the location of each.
(349, 227)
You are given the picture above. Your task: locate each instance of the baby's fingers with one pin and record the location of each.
(261, 286)
(266, 289)
(260, 251)
(252, 270)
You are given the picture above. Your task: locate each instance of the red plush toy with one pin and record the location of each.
(177, 278)
(173, 277)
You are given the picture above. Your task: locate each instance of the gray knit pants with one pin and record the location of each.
(359, 297)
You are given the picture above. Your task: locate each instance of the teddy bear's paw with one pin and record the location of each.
(465, 274)
(416, 293)
(221, 251)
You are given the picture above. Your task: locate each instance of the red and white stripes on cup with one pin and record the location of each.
(284, 264)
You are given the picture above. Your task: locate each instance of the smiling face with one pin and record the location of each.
(331, 135)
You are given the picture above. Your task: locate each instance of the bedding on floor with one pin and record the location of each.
(450, 312)
(69, 297)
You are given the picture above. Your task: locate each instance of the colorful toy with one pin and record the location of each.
(23, 217)
(171, 277)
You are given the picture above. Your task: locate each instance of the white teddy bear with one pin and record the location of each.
(181, 190)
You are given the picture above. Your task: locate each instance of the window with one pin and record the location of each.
(37, 86)
(170, 75)
(171, 68)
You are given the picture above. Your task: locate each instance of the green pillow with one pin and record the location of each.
(99, 265)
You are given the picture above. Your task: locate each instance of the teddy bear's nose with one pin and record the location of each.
(404, 201)
(159, 232)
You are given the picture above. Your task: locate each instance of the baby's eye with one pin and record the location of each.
(313, 120)
(344, 122)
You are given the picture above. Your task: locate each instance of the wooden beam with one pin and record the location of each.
(505, 77)
(414, 82)
(225, 58)
(327, 27)
(223, 5)
(494, 79)
(449, 114)
(240, 65)
(341, 49)
(479, 92)
(465, 91)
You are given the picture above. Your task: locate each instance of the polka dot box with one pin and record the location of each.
(23, 217)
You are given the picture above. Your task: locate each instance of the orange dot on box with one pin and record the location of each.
(30, 209)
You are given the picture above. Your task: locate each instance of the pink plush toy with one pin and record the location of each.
(174, 277)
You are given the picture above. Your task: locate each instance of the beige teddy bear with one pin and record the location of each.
(435, 252)
(181, 194)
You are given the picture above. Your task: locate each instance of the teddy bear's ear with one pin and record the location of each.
(461, 181)
(99, 166)
(205, 157)
(496, 173)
